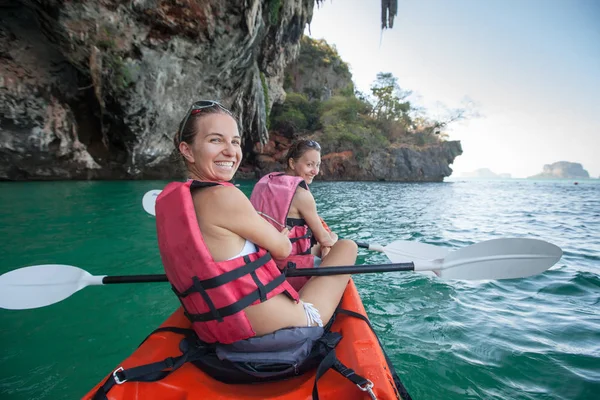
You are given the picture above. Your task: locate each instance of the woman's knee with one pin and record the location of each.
(348, 246)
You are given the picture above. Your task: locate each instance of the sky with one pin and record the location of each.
(531, 67)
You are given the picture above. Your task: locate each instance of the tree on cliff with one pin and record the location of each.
(390, 102)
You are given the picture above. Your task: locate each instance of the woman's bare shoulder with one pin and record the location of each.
(221, 198)
(302, 195)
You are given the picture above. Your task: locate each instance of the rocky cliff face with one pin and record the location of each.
(397, 163)
(562, 170)
(318, 72)
(95, 89)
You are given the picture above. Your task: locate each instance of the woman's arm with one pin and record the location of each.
(232, 211)
(304, 202)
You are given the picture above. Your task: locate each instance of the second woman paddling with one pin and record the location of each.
(285, 201)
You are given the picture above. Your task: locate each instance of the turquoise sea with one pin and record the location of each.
(533, 338)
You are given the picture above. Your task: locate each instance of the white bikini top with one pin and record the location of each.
(248, 248)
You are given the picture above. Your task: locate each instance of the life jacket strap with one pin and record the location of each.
(262, 292)
(295, 222)
(307, 235)
(201, 286)
(229, 276)
(238, 305)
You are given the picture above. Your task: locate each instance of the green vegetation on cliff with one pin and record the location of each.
(321, 101)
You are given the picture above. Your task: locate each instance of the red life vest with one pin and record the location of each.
(213, 294)
(272, 197)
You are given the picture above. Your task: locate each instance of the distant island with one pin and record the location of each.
(485, 173)
(562, 170)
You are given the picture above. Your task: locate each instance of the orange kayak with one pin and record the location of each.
(359, 349)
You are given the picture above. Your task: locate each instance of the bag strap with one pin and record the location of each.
(332, 362)
(154, 371)
(401, 389)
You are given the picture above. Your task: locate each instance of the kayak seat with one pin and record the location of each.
(278, 355)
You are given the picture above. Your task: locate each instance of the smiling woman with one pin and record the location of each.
(284, 200)
(208, 231)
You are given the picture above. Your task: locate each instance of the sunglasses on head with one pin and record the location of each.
(313, 143)
(198, 107)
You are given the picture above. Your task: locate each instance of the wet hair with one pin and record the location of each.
(188, 126)
(298, 149)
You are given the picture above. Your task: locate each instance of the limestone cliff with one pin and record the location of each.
(562, 170)
(318, 72)
(399, 163)
(94, 89)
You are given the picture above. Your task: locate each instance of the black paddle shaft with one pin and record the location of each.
(289, 272)
(349, 269)
(134, 279)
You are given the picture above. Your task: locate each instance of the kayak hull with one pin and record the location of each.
(359, 349)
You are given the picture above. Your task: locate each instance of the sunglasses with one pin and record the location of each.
(313, 143)
(196, 108)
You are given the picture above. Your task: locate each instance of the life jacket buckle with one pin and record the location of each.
(368, 387)
(116, 377)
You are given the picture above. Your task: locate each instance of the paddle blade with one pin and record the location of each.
(149, 201)
(42, 285)
(402, 251)
(500, 259)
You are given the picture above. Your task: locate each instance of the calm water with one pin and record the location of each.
(534, 338)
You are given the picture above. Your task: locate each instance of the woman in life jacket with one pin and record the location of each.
(285, 201)
(216, 249)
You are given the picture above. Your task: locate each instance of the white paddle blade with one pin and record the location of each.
(500, 259)
(42, 285)
(149, 201)
(402, 251)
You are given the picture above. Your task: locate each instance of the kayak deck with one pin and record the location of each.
(359, 349)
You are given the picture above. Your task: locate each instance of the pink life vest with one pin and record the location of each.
(213, 294)
(272, 197)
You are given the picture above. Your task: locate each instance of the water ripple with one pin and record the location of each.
(522, 338)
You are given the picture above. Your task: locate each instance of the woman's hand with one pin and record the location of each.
(334, 236)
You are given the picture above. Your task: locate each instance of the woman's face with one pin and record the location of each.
(216, 152)
(307, 166)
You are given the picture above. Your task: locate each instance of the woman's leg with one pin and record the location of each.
(323, 292)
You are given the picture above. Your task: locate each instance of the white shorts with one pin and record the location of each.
(312, 314)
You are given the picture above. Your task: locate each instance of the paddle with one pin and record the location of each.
(399, 251)
(407, 250)
(42, 285)
(149, 201)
